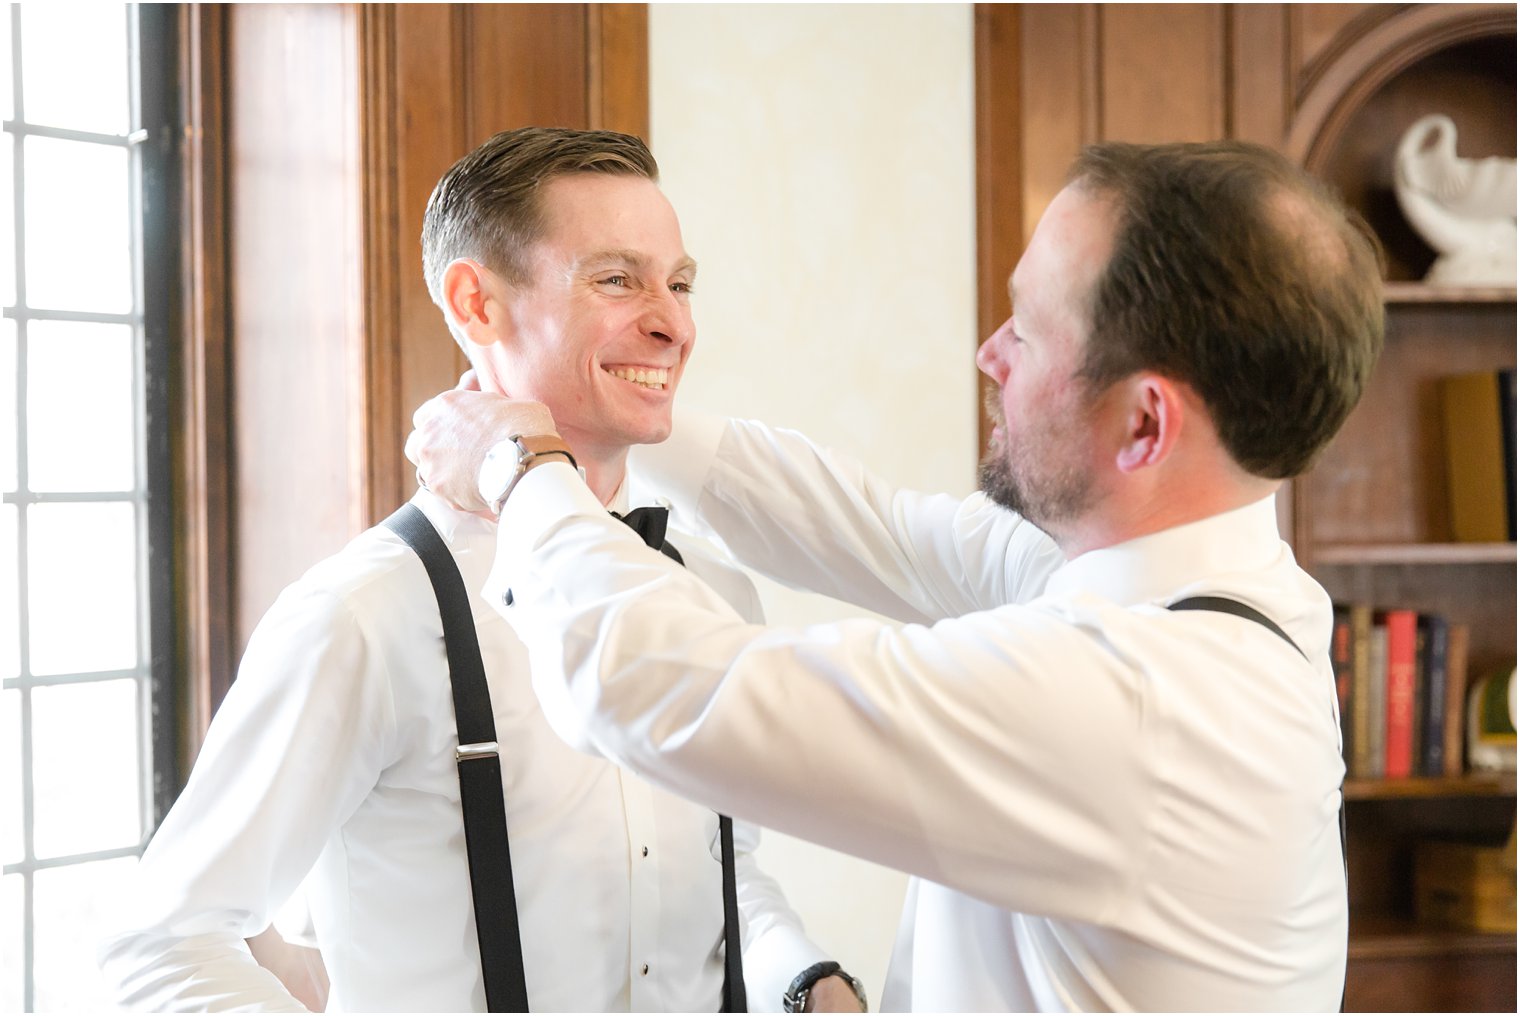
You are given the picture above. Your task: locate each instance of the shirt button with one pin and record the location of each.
(645, 971)
(645, 852)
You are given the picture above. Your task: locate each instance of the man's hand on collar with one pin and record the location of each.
(454, 431)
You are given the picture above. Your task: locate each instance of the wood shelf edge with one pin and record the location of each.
(1431, 787)
(1413, 553)
(1394, 938)
(1420, 292)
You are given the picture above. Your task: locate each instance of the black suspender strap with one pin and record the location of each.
(650, 524)
(734, 999)
(480, 793)
(1225, 605)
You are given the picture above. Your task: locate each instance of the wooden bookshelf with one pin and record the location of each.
(1372, 521)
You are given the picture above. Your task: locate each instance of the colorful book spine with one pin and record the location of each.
(1433, 694)
(1377, 701)
(1452, 757)
(1476, 433)
(1399, 698)
(1507, 432)
(1360, 615)
(1340, 663)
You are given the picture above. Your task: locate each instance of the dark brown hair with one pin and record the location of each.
(1244, 277)
(486, 206)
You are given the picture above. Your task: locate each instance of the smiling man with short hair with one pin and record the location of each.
(331, 765)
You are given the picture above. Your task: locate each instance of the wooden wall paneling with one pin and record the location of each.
(524, 64)
(430, 134)
(1259, 84)
(383, 281)
(200, 390)
(1058, 100)
(1318, 35)
(296, 324)
(617, 87)
(999, 185)
(1162, 72)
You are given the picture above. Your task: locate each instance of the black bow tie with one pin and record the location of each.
(650, 524)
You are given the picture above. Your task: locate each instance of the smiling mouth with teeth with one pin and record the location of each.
(644, 377)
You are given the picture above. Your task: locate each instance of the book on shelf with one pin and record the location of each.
(1507, 433)
(1452, 759)
(1478, 412)
(1377, 701)
(1435, 648)
(1401, 677)
(1398, 692)
(1340, 664)
(1358, 746)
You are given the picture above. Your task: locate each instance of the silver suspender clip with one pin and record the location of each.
(480, 749)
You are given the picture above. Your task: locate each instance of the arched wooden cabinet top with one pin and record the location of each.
(1384, 73)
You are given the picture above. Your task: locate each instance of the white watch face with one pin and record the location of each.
(497, 471)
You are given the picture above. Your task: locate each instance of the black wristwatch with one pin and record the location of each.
(795, 998)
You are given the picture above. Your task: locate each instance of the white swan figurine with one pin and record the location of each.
(1464, 208)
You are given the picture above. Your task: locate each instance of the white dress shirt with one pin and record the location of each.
(1107, 805)
(331, 763)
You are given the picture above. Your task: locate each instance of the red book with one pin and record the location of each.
(1398, 744)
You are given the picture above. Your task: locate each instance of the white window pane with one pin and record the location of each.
(8, 404)
(68, 906)
(71, 365)
(11, 848)
(78, 239)
(7, 108)
(10, 579)
(11, 890)
(82, 587)
(85, 767)
(7, 218)
(74, 66)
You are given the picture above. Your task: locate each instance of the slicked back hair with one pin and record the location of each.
(1244, 277)
(487, 208)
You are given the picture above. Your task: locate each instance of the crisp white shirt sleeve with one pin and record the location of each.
(930, 750)
(817, 520)
(295, 747)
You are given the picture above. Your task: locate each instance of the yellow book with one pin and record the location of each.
(1475, 457)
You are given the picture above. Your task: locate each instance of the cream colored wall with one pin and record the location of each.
(821, 160)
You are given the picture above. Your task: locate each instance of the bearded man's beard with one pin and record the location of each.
(1058, 495)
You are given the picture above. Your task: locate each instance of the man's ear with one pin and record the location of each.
(1153, 411)
(471, 302)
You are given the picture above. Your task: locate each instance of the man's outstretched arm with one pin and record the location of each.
(804, 515)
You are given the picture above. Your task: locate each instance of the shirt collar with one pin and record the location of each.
(454, 525)
(620, 498)
(1155, 567)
